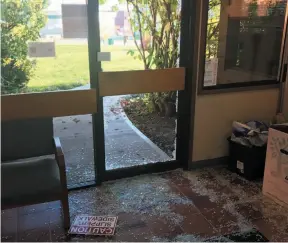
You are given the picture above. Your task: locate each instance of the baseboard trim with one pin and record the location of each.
(217, 162)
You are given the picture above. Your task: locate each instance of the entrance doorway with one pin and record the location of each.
(121, 147)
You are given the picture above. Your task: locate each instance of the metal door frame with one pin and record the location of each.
(282, 73)
(186, 98)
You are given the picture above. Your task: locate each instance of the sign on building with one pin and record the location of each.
(93, 225)
(74, 20)
(211, 69)
(104, 56)
(41, 49)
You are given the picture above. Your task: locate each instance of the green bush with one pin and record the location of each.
(21, 21)
(14, 78)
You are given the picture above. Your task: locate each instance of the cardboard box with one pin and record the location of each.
(275, 183)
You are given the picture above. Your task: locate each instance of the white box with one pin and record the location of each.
(275, 184)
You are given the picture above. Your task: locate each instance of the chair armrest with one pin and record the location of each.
(58, 149)
(59, 156)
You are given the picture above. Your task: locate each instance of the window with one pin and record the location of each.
(243, 42)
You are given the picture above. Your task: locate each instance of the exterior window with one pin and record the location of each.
(243, 42)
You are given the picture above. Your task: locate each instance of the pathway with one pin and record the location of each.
(125, 145)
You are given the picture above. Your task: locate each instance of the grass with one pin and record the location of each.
(70, 67)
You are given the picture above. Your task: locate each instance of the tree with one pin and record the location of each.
(160, 20)
(212, 39)
(157, 22)
(21, 21)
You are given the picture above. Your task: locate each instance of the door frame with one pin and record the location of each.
(282, 75)
(186, 98)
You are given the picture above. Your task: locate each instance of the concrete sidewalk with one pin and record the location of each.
(125, 145)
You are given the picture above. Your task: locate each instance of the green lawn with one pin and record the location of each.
(70, 67)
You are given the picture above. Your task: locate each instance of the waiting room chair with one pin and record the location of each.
(28, 179)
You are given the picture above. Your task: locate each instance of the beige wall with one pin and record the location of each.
(215, 113)
(285, 103)
(285, 100)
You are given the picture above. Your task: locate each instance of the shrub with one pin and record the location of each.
(21, 21)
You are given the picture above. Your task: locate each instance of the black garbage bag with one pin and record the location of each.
(252, 133)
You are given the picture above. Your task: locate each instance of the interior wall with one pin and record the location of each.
(285, 102)
(285, 93)
(215, 113)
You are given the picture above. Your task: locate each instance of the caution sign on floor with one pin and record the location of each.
(93, 225)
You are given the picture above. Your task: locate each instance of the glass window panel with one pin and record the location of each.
(44, 48)
(243, 41)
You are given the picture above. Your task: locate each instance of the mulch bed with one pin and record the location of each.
(160, 130)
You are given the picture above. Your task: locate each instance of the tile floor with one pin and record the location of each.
(173, 206)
